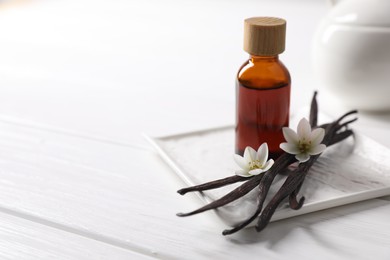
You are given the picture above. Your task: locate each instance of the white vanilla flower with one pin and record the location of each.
(253, 163)
(304, 142)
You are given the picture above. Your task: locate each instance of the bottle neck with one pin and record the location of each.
(257, 59)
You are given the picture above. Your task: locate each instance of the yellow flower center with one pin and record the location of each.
(304, 146)
(255, 165)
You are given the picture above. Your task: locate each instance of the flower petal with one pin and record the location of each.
(262, 153)
(256, 171)
(290, 135)
(317, 149)
(289, 148)
(241, 162)
(242, 173)
(249, 154)
(304, 129)
(317, 136)
(302, 157)
(268, 165)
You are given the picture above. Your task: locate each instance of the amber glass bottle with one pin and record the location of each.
(262, 87)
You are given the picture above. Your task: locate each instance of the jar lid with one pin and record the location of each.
(264, 36)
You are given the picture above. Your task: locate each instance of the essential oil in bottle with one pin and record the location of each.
(262, 87)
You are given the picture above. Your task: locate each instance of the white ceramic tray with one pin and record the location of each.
(354, 170)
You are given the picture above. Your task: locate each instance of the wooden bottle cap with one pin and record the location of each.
(264, 36)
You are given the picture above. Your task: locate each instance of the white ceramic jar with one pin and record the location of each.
(351, 53)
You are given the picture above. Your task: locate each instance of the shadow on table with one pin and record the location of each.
(309, 224)
(377, 115)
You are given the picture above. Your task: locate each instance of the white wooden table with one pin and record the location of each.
(81, 80)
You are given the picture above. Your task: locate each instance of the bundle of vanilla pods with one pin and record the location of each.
(335, 132)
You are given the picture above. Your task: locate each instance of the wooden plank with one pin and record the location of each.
(126, 197)
(24, 239)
